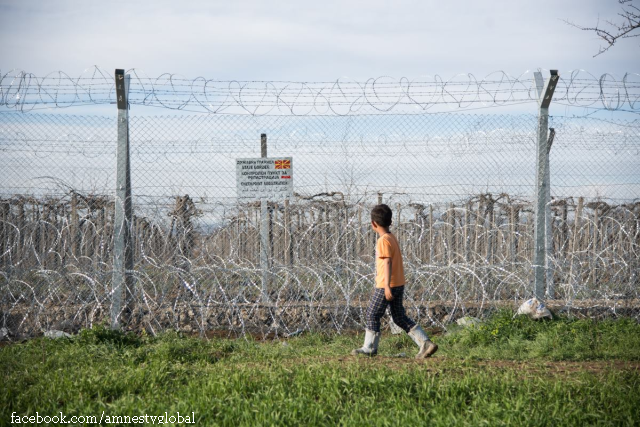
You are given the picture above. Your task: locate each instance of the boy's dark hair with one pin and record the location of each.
(381, 214)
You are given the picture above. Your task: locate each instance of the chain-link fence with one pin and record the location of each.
(461, 187)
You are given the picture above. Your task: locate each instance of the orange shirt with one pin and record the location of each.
(388, 247)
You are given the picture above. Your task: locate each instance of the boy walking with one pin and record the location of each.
(389, 290)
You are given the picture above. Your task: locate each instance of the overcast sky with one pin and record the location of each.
(309, 40)
(321, 40)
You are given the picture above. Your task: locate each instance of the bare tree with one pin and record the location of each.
(626, 27)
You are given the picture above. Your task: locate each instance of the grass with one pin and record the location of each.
(503, 372)
(521, 338)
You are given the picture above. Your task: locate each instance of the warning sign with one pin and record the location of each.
(264, 178)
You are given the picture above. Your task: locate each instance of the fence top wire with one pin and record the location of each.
(24, 91)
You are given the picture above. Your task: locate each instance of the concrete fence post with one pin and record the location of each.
(545, 90)
(123, 244)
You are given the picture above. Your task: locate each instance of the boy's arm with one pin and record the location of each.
(386, 275)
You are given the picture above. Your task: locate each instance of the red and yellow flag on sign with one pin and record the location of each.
(283, 164)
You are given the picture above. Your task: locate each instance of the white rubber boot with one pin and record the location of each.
(370, 347)
(427, 348)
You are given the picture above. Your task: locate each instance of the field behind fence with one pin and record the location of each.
(461, 187)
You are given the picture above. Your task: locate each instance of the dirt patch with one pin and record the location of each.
(436, 364)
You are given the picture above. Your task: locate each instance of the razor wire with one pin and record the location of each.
(24, 91)
(461, 188)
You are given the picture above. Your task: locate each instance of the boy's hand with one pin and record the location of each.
(386, 273)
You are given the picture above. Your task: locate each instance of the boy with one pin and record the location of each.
(389, 290)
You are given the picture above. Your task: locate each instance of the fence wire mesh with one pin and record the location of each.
(461, 187)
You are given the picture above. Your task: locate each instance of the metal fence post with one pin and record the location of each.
(545, 94)
(265, 229)
(288, 235)
(123, 245)
(548, 220)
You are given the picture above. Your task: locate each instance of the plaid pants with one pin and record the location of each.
(378, 304)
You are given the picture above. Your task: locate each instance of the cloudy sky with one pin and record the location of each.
(309, 40)
(321, 40)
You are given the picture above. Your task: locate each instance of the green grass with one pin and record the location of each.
(503, 372)
(521, 338)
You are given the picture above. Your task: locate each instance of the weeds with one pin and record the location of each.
(311, 379)
(520, 338)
